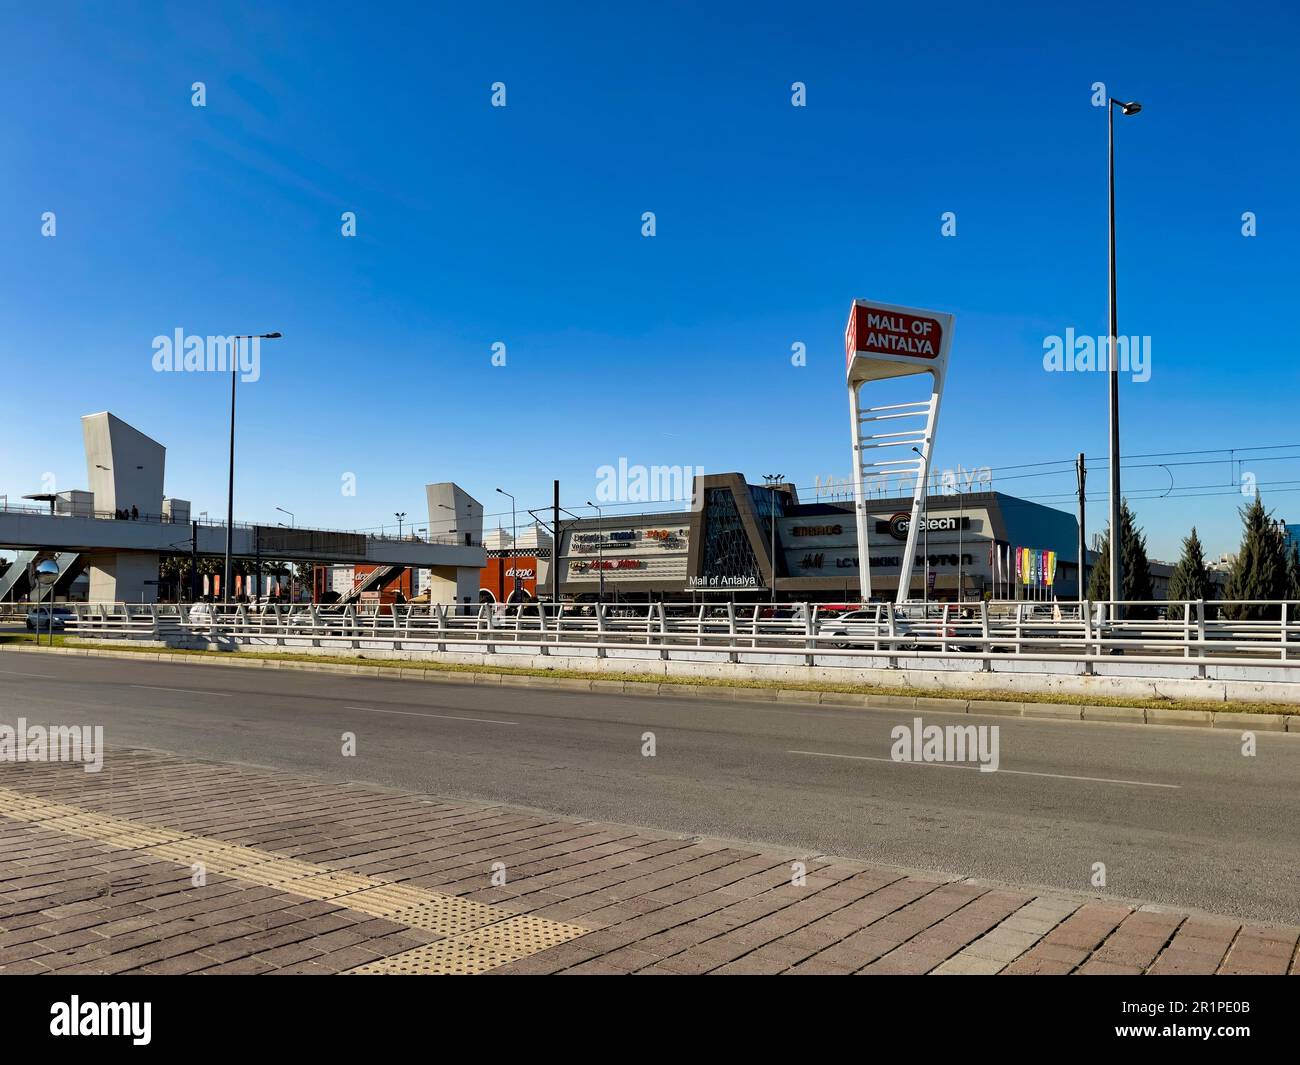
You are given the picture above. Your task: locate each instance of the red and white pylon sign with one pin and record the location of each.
(884, 341)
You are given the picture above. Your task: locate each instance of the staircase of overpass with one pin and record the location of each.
(373, 581)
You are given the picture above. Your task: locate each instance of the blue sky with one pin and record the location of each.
(522, 225)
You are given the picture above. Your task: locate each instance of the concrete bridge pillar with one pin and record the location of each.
(121, 577)
(454, 585)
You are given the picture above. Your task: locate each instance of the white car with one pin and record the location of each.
(200, 613)
(859, 627)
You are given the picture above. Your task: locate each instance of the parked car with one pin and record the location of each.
(200, 613)
(38, 618)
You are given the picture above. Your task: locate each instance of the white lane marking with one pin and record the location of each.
(14, 673)
(187, 691)
(975, 768)
(444, 717)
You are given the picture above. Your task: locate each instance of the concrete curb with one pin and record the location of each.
(1131, 715)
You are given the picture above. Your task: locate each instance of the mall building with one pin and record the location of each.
(739, 538)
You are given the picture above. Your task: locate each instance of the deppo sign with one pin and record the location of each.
(893, 332)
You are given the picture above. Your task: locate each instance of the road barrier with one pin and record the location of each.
(1217, 640)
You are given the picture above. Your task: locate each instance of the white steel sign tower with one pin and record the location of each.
(883, 341)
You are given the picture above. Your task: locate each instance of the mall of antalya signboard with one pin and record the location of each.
(881, 342)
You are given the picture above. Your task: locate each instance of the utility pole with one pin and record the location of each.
(1081, 473)
(194, 562)
(555, 548)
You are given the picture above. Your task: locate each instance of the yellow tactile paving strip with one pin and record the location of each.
(476, 937)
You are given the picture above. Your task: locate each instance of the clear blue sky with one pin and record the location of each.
(523, 225)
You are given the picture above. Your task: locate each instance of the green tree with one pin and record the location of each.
(1190, 579)
(1136, 583)
(1293, 571)
(175, 569)
(1260, 572)
(305, 573)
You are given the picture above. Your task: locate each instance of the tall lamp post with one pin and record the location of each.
(600, 550)
(773, 479)
(1116, 562)
(400, 515)
(230, 491)
(292, 588)
(514, 544)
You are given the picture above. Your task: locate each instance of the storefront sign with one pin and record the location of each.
(499, 577)
(897, 525)
(605, 563)
(725, 583)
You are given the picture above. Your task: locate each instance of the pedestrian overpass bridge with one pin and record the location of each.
(123, 526)
(145, 540)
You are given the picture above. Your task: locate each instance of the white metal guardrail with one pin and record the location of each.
(983, 636)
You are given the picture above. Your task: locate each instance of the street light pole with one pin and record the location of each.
(1116, 560)
(230, 490)
(600, 548)
(773, 479)
(514, 543)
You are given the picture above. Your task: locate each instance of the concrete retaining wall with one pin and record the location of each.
(788, 673)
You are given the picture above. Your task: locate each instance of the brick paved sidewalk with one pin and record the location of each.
(161, 865)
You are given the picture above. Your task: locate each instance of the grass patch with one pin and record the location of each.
(29, 638)
(702, 682)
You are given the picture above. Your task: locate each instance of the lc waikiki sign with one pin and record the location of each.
(882, 341)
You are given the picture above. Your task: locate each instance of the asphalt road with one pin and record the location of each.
(1177, 815)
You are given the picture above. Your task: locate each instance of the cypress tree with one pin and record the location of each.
(1136, 583)
(1260, 571)
(1190, 579)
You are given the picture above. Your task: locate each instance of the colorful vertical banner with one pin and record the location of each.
(1034, 567)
